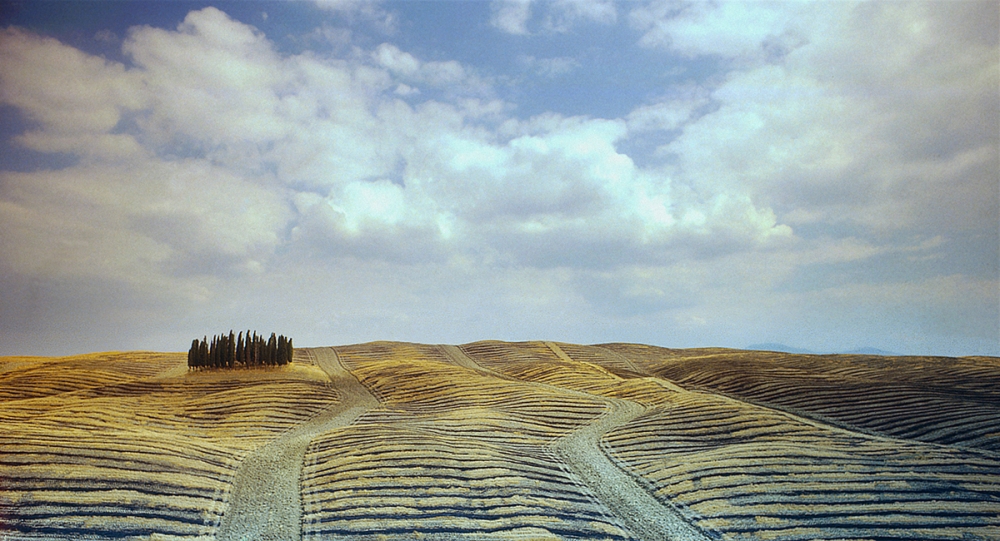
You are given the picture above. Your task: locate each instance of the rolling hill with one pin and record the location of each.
(501, 440)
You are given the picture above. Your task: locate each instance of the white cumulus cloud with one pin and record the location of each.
(840, 151)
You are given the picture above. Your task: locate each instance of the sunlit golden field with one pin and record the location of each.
(497, 440)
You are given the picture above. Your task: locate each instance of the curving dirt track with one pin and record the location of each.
(266, 499)
(644, 515)
(640, 512)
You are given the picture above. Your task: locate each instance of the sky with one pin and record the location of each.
(684, 174)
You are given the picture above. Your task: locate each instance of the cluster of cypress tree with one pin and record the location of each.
(228, 351)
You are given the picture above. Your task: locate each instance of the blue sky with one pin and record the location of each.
(684, 174)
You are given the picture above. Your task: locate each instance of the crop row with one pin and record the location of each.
(958, 409)
(384, 478)
(537, 362)
(748, 472)
(587, 369)
(37, 377)
(107, 484)
(439, 387)
(451, 453)
(611, 361)
(142, 457)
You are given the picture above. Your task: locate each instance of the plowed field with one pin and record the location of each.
(500, 440)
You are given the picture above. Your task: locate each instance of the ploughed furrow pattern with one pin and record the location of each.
(140, 458)
(383, 479)
(439, 387)
(609, 360)
(748, 472)
(110, 485)
(451, 453)
(211, 409)
(537, 362)
(629, 383)
(578, 368)
(33, 377)
(937, 400)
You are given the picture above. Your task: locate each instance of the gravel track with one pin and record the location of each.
(644, 515)
(641, 513)
(266, 498)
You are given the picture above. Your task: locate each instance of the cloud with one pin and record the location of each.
(373, 169)
(734, 30)
(511, 16)
(344, 5)
(339, 163)
(141, 224)
(365, 10)
(565, 14)
(76, 100)
(449, 75)
(639, 291)
(213, 81)
(665, 115)
(560, 16)
(864, 122)
(396, 61)
(839, 148)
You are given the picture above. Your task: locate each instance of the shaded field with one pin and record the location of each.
(744, 471)
(932, 399)
(502, 440)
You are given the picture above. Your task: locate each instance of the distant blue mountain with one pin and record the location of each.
(870, 351)
(773, 346)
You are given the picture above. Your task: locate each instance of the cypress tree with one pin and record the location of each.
(213, 352)
(255, 358)
(223, 351)
(238, 352)
(247, 350)
(192, 353)
(265, 352)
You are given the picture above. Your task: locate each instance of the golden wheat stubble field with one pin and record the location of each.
(497, 440)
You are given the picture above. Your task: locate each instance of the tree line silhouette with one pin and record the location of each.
(229, 351)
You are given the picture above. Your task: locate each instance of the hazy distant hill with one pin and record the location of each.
(773, 346)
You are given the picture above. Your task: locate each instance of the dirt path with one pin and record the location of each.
(266, 501)
(463, 360)
(645, 516)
